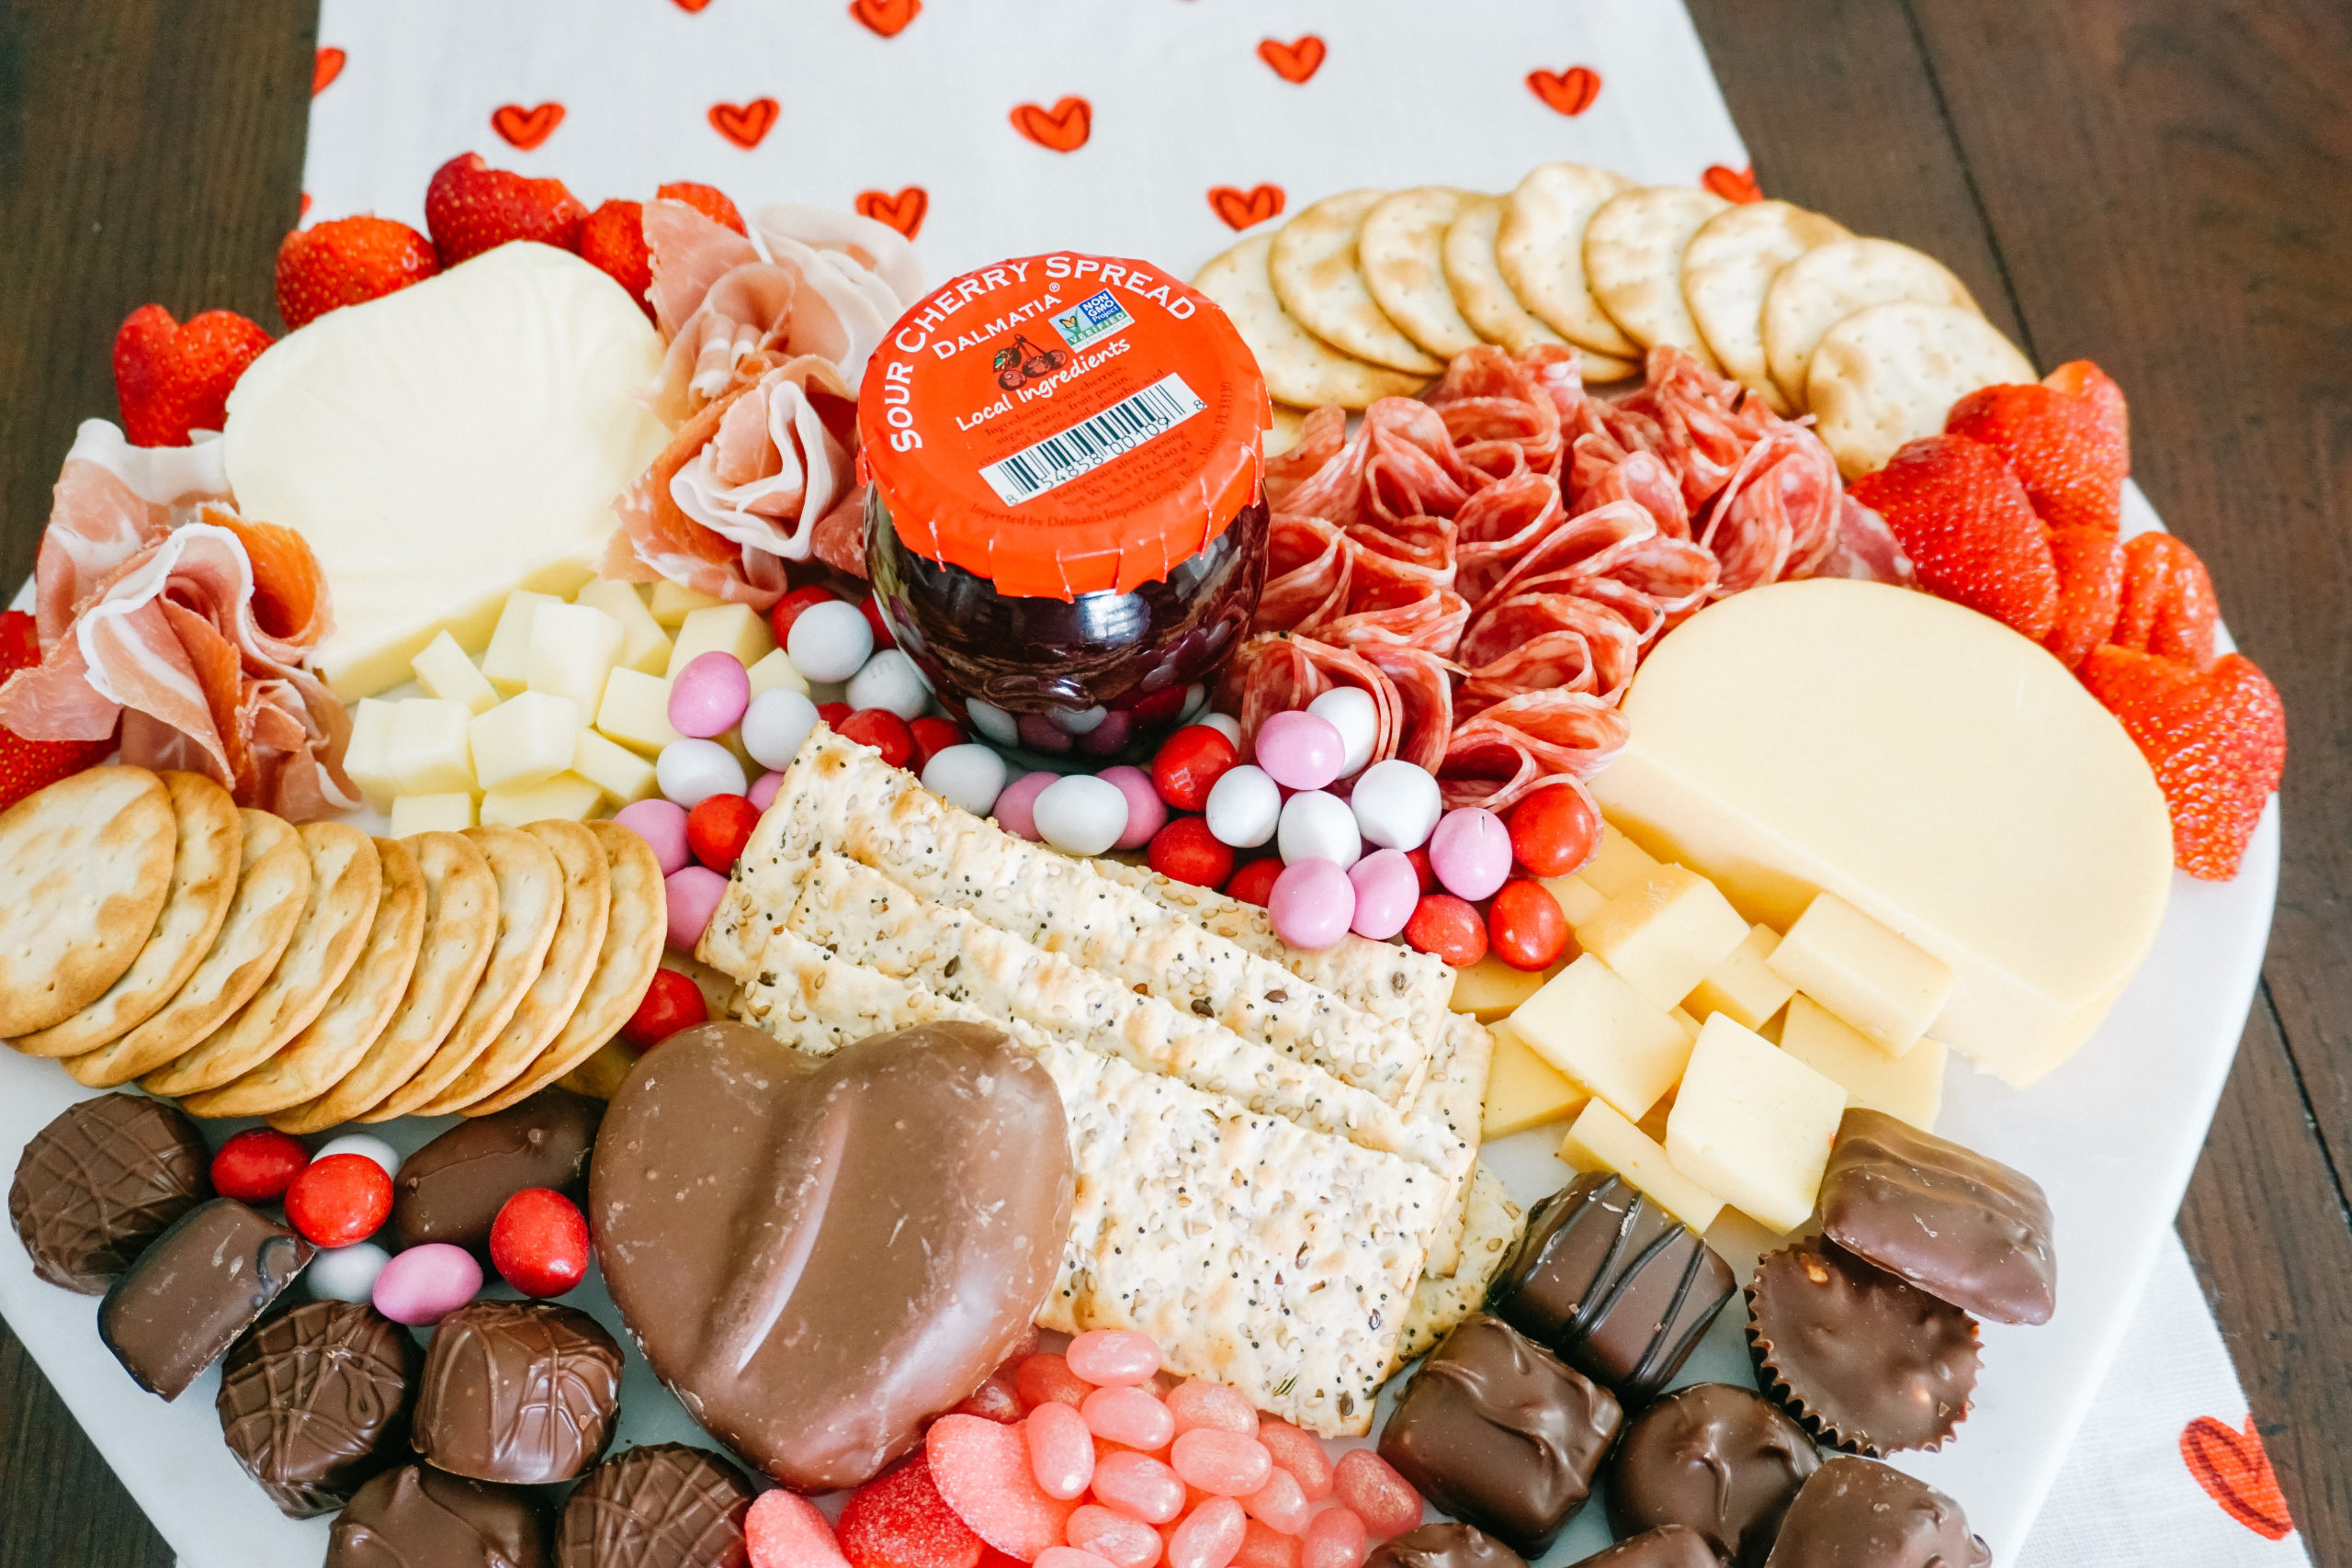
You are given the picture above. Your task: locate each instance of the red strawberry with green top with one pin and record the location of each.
(2217, 740)
(30, 765)
(171, 378)
(470, 208)
(613, 241)
(2167, 603)
(2068, 446)
(708, 200)
(348, 262)
(2090, 583)
(1963, 519)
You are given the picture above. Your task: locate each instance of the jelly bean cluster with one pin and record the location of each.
(1092, 1458)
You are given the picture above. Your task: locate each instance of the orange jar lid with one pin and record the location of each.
(1063, 425)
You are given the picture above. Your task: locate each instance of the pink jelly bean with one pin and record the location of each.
(1294, 1450)
(763, 788)
(1263, 1547)
(1046, 1376)
(1335, 1538)
(663, 824)
(1062, 1451)
(426, 1283)
(1209, 1535)
(1370, 1488)
(995, 1399)
(784, 1529)
(1227, 1463)
(1113, 1357)
(1129, 1543)
(1139, 1486)
(1071, 1557)
(709, 694)
(1016, 807)
(1281, 1503)
(1147, 814)
(1129, 1416)
(692, 897)
(1212, 1405)
(982, 1472)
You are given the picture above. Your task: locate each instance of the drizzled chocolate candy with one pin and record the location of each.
(100, 1182)
(664, 1505)
(180, 1307)
(1717, 1458)
(520, 1391)
(316, 1400)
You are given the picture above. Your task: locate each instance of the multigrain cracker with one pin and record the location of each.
(1890, 373)
(84, 866)
(1313, 267)
(1300, 368)
(1486, 301)
(1492, 1224)
(1539, 249)
(1726, 267)
(1829, 283)
(1632, 259)
(1398, 250)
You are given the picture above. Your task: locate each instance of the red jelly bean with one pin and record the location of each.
(1226, 1464)
(932, 736)
(1198, 1404)
(1139, 1486)
(1129, 1543)
(1335, 1538)
(1209, 1536)
(718, 828)
(1133, 1417)
(1281, 1503)
(1299, 1453)
(883, 730)
(1264, 1547)
(1370, 1488)
(1061, 1449)
(784, 1529)
(995, 1400)
(1185, 850)
(834, 714)
(788, 608)
(1047, 1376)
(670, 1003)
(538, 1242)
(258, 1164)
(339, 1199)
(1189, 763)
(901, 1520)
(1254, 883)
(982, 1469)
(1110, 1357)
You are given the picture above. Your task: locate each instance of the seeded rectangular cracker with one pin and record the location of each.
(1492, 1225)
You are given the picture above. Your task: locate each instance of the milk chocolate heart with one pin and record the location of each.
(820, 1255)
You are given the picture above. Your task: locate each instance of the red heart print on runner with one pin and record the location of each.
(325, 68)
(903, 211)
(1064, 127)
(1242, 209)
(1294, 62)
(888, 18)
(527, 128)
(691, 6)
(1570, 92)
(2236, 1471)
(746, 125)
(1732, 185)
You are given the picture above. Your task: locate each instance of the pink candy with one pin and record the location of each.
(1132, 1418)
(1281, 1503)
(663, 824)
(1113, 1357)
(982, 1470)
(693, 894)
(1147, 814)
(1071, 1557)
(1223, 1462)
(1209, 1536)
(426, 1283)
(1139, 1486)
(1127, 1544)
(1334, 1540)
(1016, 807)
(1297, 1453)
(1370, 1486)
(1061, 1449)
(709, 694)
(1265, 1548)
(784, 1529)
(1046, 1376)
(1213, 1404)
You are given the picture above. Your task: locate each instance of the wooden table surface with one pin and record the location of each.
(2164, 186)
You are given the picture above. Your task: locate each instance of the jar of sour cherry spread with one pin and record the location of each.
(1066, 526)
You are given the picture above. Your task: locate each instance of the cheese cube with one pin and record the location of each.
(367, 758)
(1653, 1126)
(566, 795)
(505, 660)
(449, 813)
(428, 750)
(1742, 987)
(777, 670)
(636, 712)
(1578, 899)
(572, 648)
(444, 671)
(1490, 988)
(1884, 987)
(1684, 1022)
(1617, 864)
(721, 629)
(644, 644)
(1522, 1090)
(1754, 1124)
(1909, 1087)
(523, 740)
(1588, 1023)
(614, 769)
(1599, 1139)
(673, 603)
(1664, 933)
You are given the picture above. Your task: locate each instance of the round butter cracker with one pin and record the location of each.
(1313, 267)
(1633, 260)
(1726, 267)
(1539, 249)
(1890, 373)
(1300, 368)
(1468, 254)
(85, 865)
(1829, 283)
(1400, 249)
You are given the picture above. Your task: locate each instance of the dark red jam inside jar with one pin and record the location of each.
(1066, 526)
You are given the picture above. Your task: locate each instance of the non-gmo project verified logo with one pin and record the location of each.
(1090, 317)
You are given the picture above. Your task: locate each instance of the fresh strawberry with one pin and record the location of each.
(2217, 742)
(171, 378)
(1963, 519)
(2068, 448)
(30, 765)
(613, 241)
(348, 262)
(708, 200)
(2090, 581)
(471, 207)
(2167, 602)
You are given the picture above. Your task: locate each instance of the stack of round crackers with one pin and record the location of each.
(152, 930)
(1367, 294)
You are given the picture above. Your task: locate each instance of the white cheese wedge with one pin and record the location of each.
(1617, 863)
(1753, 1124)
(777, 670)
(1490, 988)
(1522, 1090)
(1930, 767)
(505, 662)
(1882, 984)
(636, 712)
(446, 444)
(617, 770)
(1665, 933)
(1578, 899)
(644, 644)
(451, 812)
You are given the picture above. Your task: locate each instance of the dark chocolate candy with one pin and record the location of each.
(1669, 1546)
(1863, 1360)
(1444, 1546)
(417, 1517)
(316, 1400)
(1715, 1457)
(820, 1255)
(1858, 1513)
(452, 1187)
(1611, 1284)
(1496, 1430)
(519, 1391)
(1957, 1226)
(100, 1182)
(184, 1301)
(666, 1505)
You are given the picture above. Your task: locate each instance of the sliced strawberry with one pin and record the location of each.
(470, 208)
(2068, 448)
(2081, 378)
(30, 765)
(171, 378)
(2217, 742)
(613, 241)
(708, 200)
(1963, 519)
(348, 262)
(2090, 583)
(2167, 604)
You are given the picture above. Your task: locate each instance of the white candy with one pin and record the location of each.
(1318, 824)
(993, 722)
(1081, 815)
(775, 724)
(1197, 698)
(888, 681)
(1349, 710)
(1244, 808)
(1224, 724)
(346, 1273)
(1081, 721)
(830, 641)
(970, 776)
(1397, 805)
(361, 1143)
(691, 772)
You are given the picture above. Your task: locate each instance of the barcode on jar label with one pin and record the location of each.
(1087, 444)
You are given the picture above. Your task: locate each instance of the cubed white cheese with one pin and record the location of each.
(636, 712)
(369, 757)
(444, 671)
(1753, 1124)
(644, 644)
(566, 795)
(572, 648)
(1617, 863)
(721, 629)
(449, 813)
(527, 738)
(1523, 1089)
(1588, 1023)
(671, 603)
(1665, 933)
(1599, 1139)
(428, 751)
(1578, 899)
(506, 662)
(614, 769)
(777, 670)
(1491, 988)
(1742, 987)
(1910, 1087)
(1888, 990)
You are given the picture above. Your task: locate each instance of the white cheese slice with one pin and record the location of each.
(444, 446)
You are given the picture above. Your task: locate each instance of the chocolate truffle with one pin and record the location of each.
(100, 1182)
(315, 1401)
(1444, 1546)
(1611, 1284)
(1858, 1513)
(1964, 1228)
(417, 1517)
(1669, 1546)
(1864, 1361)
(182, 1303)
(1498, 1431)
(666, 1505)
(519, 1391)
(452, 1187)
(1715, 1457)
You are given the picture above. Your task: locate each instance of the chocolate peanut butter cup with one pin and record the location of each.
(1865, 1362)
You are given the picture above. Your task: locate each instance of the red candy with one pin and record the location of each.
(670, 1003)
(1108, 1356)
(1126, 1542)
(1225, 1463)
(1448, 926)
(784, 1529)
(258, 1164)
(1071, 1557)
(932, 736)
(1189, 763)
(339, 1199)
(982, 1470)
(1335, 1538)
(787, 609)
(1209, 1536)
(1254, 883)
(995, 1400)
(1264, 1547)
(1139, 1486)
(1198, 1404)
(1132, 1418)
(901, 1520)
(1281, 1503)
(1061, 1449)
(718, 830)
(1046, 1376)
(1524, 925)
(1419, 856)
(1370, 1488)
(1185, 850)
(883, 730)
(834, 714)
(1298, 1453)
(871, 608)
(1553, 830)
(538, 1242)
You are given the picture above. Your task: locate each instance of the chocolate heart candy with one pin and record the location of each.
(817, 1256)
